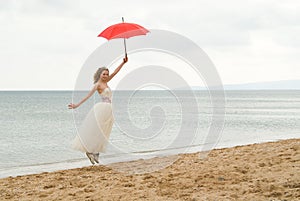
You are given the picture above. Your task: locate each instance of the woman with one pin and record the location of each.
(95, 130)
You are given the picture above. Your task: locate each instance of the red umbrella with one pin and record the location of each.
(123, 30)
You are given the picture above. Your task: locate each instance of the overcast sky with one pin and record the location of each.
(44, 43)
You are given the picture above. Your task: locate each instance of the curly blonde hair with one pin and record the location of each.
(98, 73)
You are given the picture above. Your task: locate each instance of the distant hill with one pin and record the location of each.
(276, 85)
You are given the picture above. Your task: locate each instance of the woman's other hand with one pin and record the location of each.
(72, 106)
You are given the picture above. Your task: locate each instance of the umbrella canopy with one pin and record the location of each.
(123, 30)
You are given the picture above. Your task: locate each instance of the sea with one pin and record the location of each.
(37, 128)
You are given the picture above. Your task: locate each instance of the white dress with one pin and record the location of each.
(93, 134)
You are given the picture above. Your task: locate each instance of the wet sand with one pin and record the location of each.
(267, 171)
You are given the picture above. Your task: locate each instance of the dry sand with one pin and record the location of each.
(268, 171)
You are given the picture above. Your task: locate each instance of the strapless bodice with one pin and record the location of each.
(106, 95)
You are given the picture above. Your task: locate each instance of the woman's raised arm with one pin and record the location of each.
(117, 69)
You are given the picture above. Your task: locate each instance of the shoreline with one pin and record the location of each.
(25, 170)
(261, 171)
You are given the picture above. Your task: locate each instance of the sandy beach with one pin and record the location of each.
(267, 171)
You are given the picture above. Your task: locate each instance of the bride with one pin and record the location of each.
(93, 134)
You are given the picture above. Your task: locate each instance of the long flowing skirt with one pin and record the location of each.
(93, 134)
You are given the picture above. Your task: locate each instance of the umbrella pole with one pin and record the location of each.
(125, 47)
(124, 41)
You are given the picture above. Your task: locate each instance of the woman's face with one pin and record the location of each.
(104, 75)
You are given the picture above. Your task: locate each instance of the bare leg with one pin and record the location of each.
(96, 157)
(91, 157)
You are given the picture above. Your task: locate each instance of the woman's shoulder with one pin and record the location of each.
(100, 87)
(96, 86)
